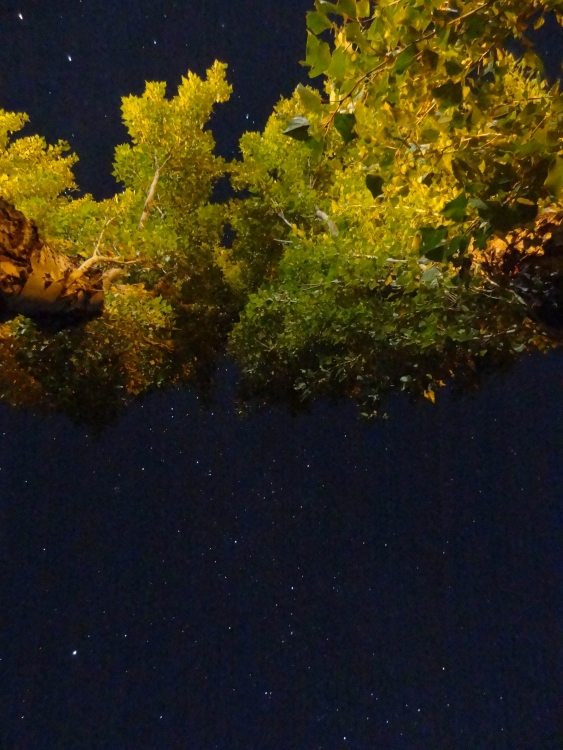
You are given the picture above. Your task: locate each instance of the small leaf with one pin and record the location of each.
(429, 135)
(317, 22)
(344, 123)
(429, 58)
(338, 64)
(457, 245)
(404, 60)
(453, 68)
(347, 8)
(387, 157)
(310, 100)
(432, 238)
(455, 210)
(298, 128)
(478, 204)
(449, 93)
(317, 148)
(318, 55)
(539, 22)
(436, 255)
(374, 184)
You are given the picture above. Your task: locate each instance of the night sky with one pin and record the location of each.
(193, 580)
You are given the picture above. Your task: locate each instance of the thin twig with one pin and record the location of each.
(158, 343)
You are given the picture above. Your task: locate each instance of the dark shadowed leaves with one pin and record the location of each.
(449, 94)
(345, 123)
(455, 210)
(374, 183)
(432, 238)
(503, 217)
(298, 128)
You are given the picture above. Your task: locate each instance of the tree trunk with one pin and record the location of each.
(37, 282)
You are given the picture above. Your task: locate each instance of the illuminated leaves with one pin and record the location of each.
(318, 56)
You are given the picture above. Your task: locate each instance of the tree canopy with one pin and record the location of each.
(395, 230)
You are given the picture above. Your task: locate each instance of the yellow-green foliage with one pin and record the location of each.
(428, 139)
(356, 263)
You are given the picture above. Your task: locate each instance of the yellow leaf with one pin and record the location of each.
(429, 394)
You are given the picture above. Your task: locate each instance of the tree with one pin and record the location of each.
(162, 320)
(416, 200)
(401, 228)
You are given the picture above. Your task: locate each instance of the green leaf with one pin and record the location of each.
(354, 33)
(374, 184)
(347, 8)
(318, 55)
(317, 22)
(453, 68)
(457, 245)
(432, 238)
(429, 58)
(443, 253)
(387, 157)
(478, 204)
(554, 179)
(430, 275)
(437, 254)
(344, 123)
(429, 135)
(338, 64)
(317, 148)
(404, 60)
(298, 128)
(455, 210)
(310, 100)
(364, 9)
(450, 93)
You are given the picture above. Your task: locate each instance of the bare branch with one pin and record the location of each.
(152, 190)
(158, 343)
(84, 267)
(150, 196)
(97, 248)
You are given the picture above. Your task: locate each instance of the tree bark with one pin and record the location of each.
(39, 283)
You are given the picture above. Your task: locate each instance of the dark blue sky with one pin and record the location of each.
(194, 580)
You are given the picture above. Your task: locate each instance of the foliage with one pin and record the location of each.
(381, 225)
(165, 314)
(429, 140)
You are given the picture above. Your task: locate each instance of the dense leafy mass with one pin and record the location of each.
(396, 230)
